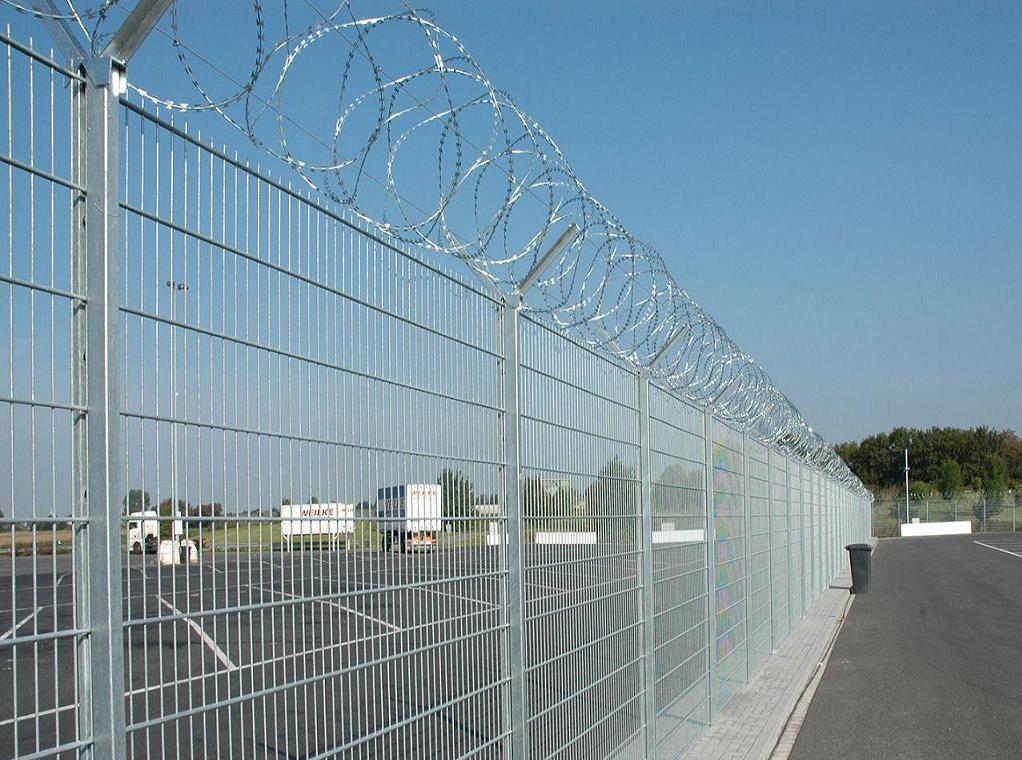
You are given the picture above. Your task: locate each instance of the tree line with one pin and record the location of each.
(139, 500)
(608, 504)
(945, 461)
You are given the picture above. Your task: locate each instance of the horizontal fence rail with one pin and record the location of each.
(279, 485)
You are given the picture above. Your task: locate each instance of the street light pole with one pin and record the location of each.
(175, 288)
(907, 520)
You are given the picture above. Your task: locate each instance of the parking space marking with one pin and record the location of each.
(297, 654)
(20, 623)
(220, 654)
(453, 595)
(555, 589)
(428, 591)
(998, 549)
(34, 716)
(378, 621)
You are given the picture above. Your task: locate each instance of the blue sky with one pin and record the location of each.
(839, 184)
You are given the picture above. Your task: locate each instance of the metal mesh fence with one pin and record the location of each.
(759, 554)
(730, 550)
(580, 499)
(678, 541)
(45, 539)
(985, 513)
(278, 487)
(796, 539)
(780, 511)
(275, 356)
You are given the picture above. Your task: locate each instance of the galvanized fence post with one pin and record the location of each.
(813, 527)
(510, 320)
(806, 536)
(748, 555)
(712, 694)
(770, 545)
(787, 507)
(646, 507)
(98, 594)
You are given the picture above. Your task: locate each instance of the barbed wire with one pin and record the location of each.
(400, 101)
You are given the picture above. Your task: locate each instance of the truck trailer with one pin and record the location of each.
(309, 523)
(410, 516)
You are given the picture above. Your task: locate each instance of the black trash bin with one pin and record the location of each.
(859, 554)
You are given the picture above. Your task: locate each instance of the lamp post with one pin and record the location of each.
(176, 287)
(907, 520)
(894, 447)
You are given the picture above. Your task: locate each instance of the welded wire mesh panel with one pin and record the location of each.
(796, 525)
(729, 606)
(830, 529)
(779, 542)
(825, 532)
(43, 533)
(313, 549)
(759, 554)
(808, 536)
(819, 535)
(678, 478)
(580, 501)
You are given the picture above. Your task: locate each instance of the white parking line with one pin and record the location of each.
(20, 623)
(220, 654)
(998, 549)
(375, 638)
(555, 589)
(425, 590)
(376, 620)
(33, 716)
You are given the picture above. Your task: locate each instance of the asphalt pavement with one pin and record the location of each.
(358, 654)
(929, 663)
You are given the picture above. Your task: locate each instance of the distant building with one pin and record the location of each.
(553, 486)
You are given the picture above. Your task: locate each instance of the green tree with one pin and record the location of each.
(456, 497)
(205, 511)
(166, 510)
(534, 504)
(878, 462)
(552, 505)
(950, 481)
(995, 479)
(612, 500)
(995, 484)
(137, 500)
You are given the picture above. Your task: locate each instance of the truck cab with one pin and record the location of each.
(143, 532)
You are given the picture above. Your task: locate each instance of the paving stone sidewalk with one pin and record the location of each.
(752, 724)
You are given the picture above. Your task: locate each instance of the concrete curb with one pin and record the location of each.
(786, 739)
(785, 742)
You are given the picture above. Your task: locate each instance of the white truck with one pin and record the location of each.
(410, 516)
(143, 532)
(315, 521)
